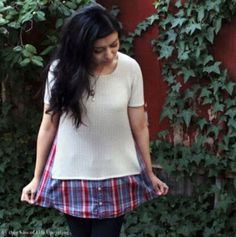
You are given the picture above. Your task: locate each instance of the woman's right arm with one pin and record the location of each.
(46, 135)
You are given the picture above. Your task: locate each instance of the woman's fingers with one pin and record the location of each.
(161, 188)
(28, 195)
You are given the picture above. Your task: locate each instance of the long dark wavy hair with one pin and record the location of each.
(74, 55)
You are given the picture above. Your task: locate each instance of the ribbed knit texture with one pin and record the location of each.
(102, 147)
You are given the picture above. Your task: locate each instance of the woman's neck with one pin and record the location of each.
(104, 69)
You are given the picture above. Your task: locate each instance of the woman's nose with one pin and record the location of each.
(109, 54)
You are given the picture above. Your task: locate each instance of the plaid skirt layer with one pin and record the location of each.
(93, 198)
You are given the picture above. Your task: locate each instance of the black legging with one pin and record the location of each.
(82, 227)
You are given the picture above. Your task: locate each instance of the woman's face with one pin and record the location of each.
(105, 50)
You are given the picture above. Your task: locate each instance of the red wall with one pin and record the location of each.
(133, 12)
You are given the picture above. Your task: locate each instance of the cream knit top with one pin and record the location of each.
(103, 146)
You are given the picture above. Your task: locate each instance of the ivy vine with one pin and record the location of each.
(200, 103)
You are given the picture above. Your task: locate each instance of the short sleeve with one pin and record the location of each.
(137, 93)
(49, 83)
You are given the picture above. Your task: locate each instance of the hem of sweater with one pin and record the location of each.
(94, 178)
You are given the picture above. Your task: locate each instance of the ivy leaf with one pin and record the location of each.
(213, 5)
(205, 92)
(231, 123)
(170, 79)
(168, 20)
(197, 158)
(166, 51)
(187, 73)
(201, 13)
(218, 107)
(171, 36)
(187, 116)
(193, 27)
(189, 94)
(213, 68)
(167, 113)
(176, 87)
(202, 122)
(178, 4)
(183, 55)
(218, 25)
(215, 85)
(180, 13)
(231, 112)
(153, 18)
(230, 102)
(209, 160)
(210, 34)
(141, 27)
(207, 100)
(207, 59)
(178, 22)
(230, 87)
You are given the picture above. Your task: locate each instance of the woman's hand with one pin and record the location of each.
(160, 187)
(28, 192)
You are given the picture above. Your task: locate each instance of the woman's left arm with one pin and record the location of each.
(140, 132)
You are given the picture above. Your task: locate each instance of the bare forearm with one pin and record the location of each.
(142, 141)
(44, 143)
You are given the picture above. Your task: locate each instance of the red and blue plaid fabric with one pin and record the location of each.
(93, 198)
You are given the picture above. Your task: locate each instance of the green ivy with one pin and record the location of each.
(28, 34)
(179, 216)
(201, 97)
(200, 109)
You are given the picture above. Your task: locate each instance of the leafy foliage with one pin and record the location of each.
(200, 108)
(178, 216)
(28, 34)
(201, 97)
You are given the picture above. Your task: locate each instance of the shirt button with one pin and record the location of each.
(99, 188)
(100, 203)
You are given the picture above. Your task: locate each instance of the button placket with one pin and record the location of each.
(100, 199)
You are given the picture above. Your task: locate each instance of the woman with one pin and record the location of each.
(92, 127)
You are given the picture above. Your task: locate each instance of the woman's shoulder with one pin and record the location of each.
(127, 60)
